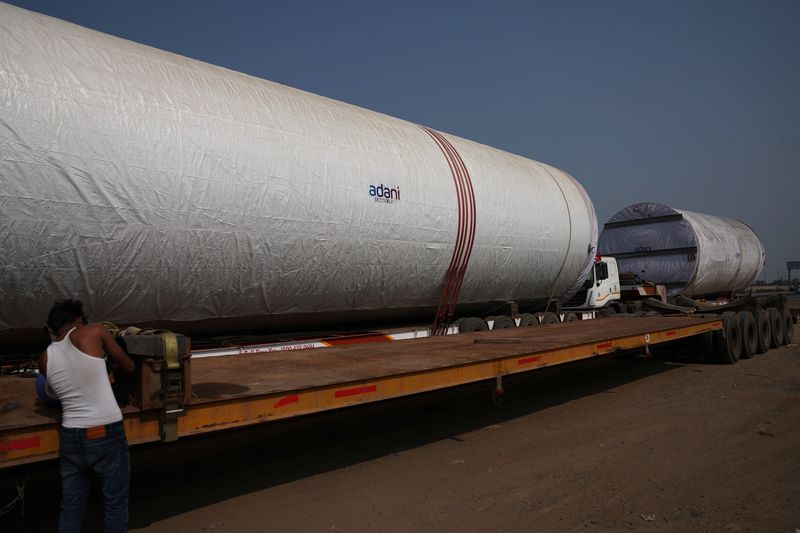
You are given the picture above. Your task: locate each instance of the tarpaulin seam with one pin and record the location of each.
(569, 240)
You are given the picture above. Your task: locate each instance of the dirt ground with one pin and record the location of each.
(663, 444)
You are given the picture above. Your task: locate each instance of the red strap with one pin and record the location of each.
(465, 236)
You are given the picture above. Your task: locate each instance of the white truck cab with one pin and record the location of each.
(600, 288)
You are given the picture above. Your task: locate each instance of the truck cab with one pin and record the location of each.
(600, 288)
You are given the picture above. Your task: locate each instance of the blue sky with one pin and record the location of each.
(693, 104)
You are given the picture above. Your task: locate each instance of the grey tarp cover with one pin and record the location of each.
(709, 254)
(156, 187)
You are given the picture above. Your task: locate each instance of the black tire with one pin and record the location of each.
(749, 334)
(470, 324)
(728, 340)
(764, 331)
(527, 319)
(500, 322)
(571, 317)
(788, 327)
(550, 318)
(776, 325)
(652, 313)
(607, 311)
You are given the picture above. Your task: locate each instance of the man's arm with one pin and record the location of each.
(43, 362)
(115, 353)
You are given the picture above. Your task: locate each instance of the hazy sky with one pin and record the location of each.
(695, 104)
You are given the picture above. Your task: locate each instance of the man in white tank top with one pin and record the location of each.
(92, 434)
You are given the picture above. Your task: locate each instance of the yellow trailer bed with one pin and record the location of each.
(235, 391)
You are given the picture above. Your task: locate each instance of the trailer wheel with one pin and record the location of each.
(776, 325)
(607, 311)
(652, 313)
(571, 317)
(528, 319)
(728, 340)
(749, 334)
(470, 324)
(788, 327)
(550, 318)
(764, 331)
(500, 322)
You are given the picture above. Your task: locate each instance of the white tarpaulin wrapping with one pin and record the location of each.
(691, 253)
(156, 187)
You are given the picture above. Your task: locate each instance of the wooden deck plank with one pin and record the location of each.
(272, 373)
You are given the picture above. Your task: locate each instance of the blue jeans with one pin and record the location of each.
(84, 453)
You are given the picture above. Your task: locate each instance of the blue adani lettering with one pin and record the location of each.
(384, 193)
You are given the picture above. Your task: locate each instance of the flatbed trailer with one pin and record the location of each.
(236, 391)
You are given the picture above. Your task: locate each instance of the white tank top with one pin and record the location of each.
(81, 383)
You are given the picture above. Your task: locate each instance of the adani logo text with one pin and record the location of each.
(384, 193)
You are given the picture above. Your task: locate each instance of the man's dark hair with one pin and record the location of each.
(64, 312)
